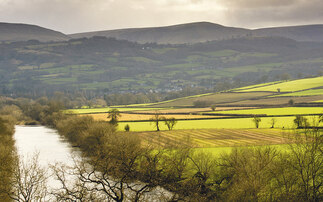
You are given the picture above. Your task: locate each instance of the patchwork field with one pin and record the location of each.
(290, 86)
(140, 117)
(216, 98)
(236, 123)
(277, 100)
(302, 93)
(209, 138)
(104, 110)
(278, 111)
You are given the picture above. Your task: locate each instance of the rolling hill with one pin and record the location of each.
(24, 32)
(206, 31)
(177, 34)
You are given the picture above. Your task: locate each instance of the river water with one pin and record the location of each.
(45, 141)
(52, 148)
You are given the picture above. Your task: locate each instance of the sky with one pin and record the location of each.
(74, 16)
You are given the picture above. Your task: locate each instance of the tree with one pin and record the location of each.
(300, 121)
(114, 114)
(156, 119)
(213, 107)
(257, 121)
(127, 128)
(306, 161)
(273, 122)
(291, 102)
(278, 90)
(170, 122)
(28, 181)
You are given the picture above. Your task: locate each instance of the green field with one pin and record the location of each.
(302, 93)
(278, 111)
(208, 138)
(290, 86)
(257, 85)
(216, 98)
(104, 110)
(238, 123)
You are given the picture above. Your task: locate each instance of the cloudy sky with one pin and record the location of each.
(72, 16)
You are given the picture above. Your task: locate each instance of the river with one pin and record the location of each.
(52, 148)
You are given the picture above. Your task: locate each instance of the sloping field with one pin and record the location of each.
(215, 137)
(104, 110)
(137, 117)
(213, 99)
(237, 123)
(278, 100)
(193, 110)
(278, 111)
(290, 86)
(256, 86)
(302, 93)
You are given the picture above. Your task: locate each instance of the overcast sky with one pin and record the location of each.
(72, 16)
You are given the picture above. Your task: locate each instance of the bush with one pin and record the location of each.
(201, 103)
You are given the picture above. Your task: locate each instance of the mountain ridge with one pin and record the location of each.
(24, 32)
(197, 32)
(188, 33)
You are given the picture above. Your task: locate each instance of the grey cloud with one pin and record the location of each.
(258, 3)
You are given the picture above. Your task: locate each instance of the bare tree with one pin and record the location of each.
(157, 118)
(273, 122)
(257, 121)
(170, 123)
(28, 181)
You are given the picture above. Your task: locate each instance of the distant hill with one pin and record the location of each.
(25, 32)
(205, 31)
(298, 33)
(177, 34)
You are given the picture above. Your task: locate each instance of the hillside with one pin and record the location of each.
(205, 31)
(25, 32)
(177, 34)
(106, 65)
(301, 91)
(298, 33)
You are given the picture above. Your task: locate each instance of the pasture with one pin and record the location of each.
(216, 98)
(209, 138)
(302, 93)
(279, 111)
(234, 123)
(291, 86)
(105, 110)
(141, 117)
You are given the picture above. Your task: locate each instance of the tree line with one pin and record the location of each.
(119, 166)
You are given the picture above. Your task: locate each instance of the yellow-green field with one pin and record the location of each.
(131, 117)
(212, 98)
(208, 138)
(237, 123)
(290, 86)
(278, 111)
(302, 93)
(106, 109)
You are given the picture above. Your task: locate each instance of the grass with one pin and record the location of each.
(104, 110)
(255, 86)
(277, 100)
(218, 151)
(278, 111)
(302, 93)
(212, 98)
(238, 123)
(291, 86)
(209, 138)
(222, 53)
(132, 117)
